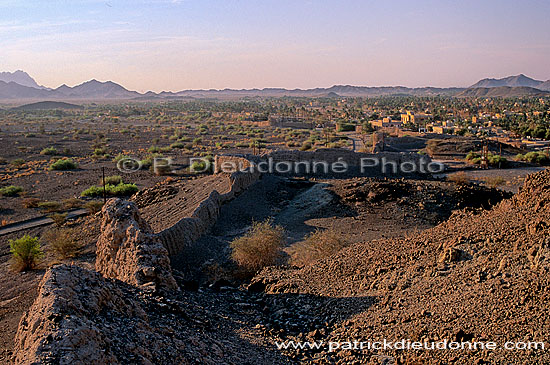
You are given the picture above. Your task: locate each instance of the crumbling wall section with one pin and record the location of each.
(129, 251)
(189, 229)
(357, 163)
(66, 323)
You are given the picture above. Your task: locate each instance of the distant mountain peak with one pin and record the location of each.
(511, 81)
(20, 77)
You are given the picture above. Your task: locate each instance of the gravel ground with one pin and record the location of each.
(513, 178)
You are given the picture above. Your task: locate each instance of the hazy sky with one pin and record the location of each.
(184, 44)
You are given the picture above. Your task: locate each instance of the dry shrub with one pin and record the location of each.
(50, 206)
(259, 247)
(62, 242)
(214, 272)
(31, 202)
(58, 218)
(495, 181)
(93, 206)
(72, 203)
(317, 245)
(460, 178)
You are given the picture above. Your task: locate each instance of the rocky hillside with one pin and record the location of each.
(501, 92)
(480, 276)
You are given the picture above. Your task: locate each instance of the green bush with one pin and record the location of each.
(11, 190)
(154, 149)
(26, 252)
(123, 189)
(120, 157)
(346, 127)
(495, 160)
(63, 164)
(147, 162)
(49, 151)
(112, 180)
(476, 160)
(93, 191)
(472, 155)
(101, 152)
(540, 158)
(18, 162)
(205, 165)
(111, 190)
(200, 166)
(178, 145)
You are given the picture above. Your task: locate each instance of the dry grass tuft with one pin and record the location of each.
(460, 178)
(31, 203)
(259, 247)
(495, 181)
(317, 245)
(58, 218)
(93, 206)
(62, 242)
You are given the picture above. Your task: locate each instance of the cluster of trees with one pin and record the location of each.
(532, 125)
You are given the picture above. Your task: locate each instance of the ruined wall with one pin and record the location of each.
(129, 251)
(330, 156)
(223, 162)
(189, 229)
(66, 323)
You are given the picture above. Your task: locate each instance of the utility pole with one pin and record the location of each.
(104, 188)
(484, 154)
(499, 154)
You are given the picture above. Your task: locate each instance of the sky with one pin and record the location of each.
(174, 45)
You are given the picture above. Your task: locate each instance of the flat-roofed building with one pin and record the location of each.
(386, 123)
(412, 118)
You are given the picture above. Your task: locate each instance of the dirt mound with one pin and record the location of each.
(480, 276)
(429, 201)
(460, 146)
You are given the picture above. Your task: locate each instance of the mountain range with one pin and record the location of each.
(513, 81)
(19, 85)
